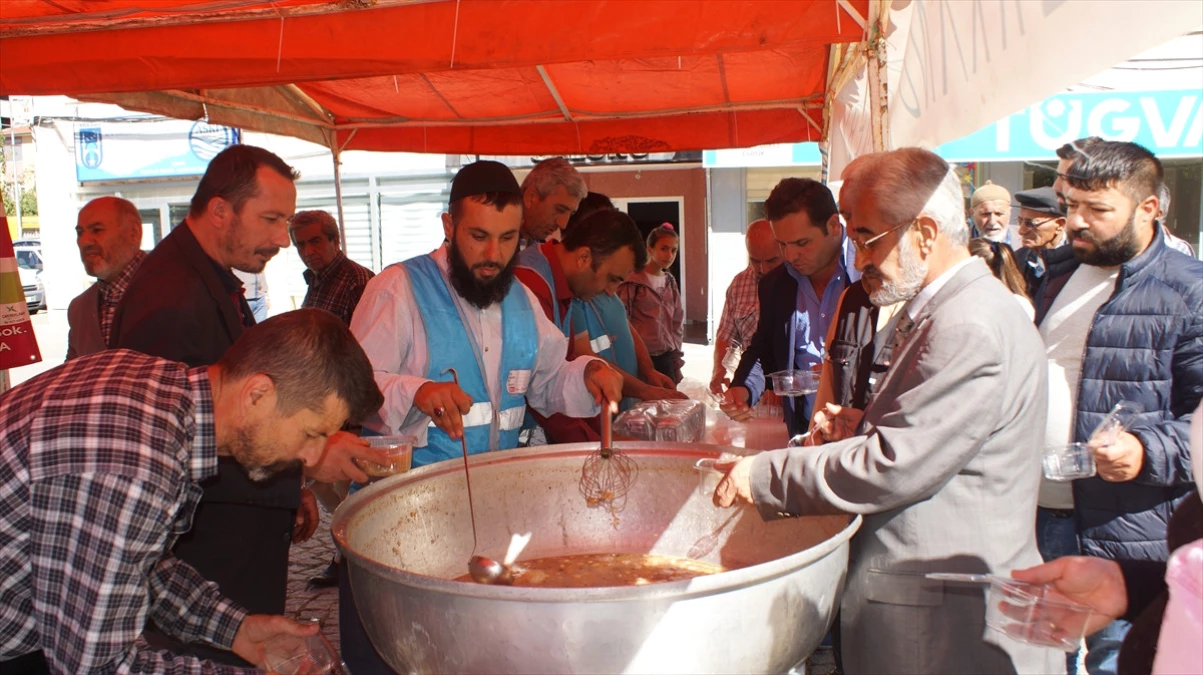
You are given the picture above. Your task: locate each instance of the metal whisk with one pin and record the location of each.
(608, 474)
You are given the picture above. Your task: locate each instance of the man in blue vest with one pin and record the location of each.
(459, 308)
(596, 256)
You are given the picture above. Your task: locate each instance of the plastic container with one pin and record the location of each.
(673, 421)
(294, 655)
(795, 382)
(1069, 462)
(1027, 613)
(400, 450)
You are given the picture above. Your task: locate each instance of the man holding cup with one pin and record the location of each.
(1122, 324)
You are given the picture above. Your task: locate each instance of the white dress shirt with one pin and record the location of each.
(389, 327)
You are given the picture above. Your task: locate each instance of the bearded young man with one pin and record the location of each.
(1121, 322)
(459, 307)
(943, 462)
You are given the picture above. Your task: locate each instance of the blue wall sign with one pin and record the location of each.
(148, 149)
(1168, 123)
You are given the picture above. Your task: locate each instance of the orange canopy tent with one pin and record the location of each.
(498, 77)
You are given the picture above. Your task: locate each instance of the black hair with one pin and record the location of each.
(498, 200)
(792, 195)
(231, 176)
(605, 232)
(1072, 149)
(308, 354)
(594, 201)
(1127, 167)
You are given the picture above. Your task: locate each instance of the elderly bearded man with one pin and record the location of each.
(946, 461)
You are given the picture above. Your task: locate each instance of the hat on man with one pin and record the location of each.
(483, 177)
(989, 193)
(1040, 200)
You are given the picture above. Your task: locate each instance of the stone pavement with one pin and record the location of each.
(308, 560)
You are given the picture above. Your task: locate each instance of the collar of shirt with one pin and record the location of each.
(314, 278)
(111, 291)
(202, 461)
(929, 291)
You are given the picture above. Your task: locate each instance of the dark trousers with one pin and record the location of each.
(354, 646)
(33, 663)
(666, 363)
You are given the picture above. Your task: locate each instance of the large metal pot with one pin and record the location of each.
(406, 537)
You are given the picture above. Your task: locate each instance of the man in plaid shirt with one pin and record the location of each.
(335, 281)
(741, 311)
(99, 464)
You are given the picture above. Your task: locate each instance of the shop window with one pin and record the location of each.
(152, 227)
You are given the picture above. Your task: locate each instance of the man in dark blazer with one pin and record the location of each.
(800, 296)
(108, 233)
(185, 304)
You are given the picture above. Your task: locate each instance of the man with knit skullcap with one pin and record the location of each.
(990, 213)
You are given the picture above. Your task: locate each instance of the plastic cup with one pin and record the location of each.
(294, 655)
(400, 450)
(795, 382)
(1069, 462)
(1025, 612)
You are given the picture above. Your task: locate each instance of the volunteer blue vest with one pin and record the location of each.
(533, 259)
(490, 425)
(613, 316)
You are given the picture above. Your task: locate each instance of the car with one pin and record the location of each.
(29, 267)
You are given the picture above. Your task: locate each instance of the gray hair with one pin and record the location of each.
(908, 183)
(307, 218)
(552, 173)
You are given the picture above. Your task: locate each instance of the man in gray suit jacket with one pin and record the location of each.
(945, 463)
(109, 235)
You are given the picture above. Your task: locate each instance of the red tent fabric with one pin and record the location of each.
(463, 76)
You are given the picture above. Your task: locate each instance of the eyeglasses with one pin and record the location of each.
(867, 245)
(1025, 223)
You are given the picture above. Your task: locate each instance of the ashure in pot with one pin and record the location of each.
(406, 538)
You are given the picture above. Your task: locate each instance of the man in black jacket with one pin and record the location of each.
(185, 304)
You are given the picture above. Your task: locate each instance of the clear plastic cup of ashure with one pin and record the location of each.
(295, 655)
(1025, 612)
(795, 382)
(1069, 462)
(400, 450)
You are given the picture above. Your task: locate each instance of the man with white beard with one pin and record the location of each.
(944, 463)
(990, 211)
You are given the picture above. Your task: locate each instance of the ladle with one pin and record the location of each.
(483, 570)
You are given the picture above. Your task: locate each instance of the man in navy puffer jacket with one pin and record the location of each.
(1133, 309)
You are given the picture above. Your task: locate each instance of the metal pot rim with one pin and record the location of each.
(699, 586)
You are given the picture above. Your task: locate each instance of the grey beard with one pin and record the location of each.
(909, 281)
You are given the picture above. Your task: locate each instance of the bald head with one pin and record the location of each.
(764, 255)
(109, 234)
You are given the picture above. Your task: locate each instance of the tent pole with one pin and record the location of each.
(336, 154)
(877, 57)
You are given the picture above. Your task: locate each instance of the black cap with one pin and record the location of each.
(482, 177)
(1040, 200)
